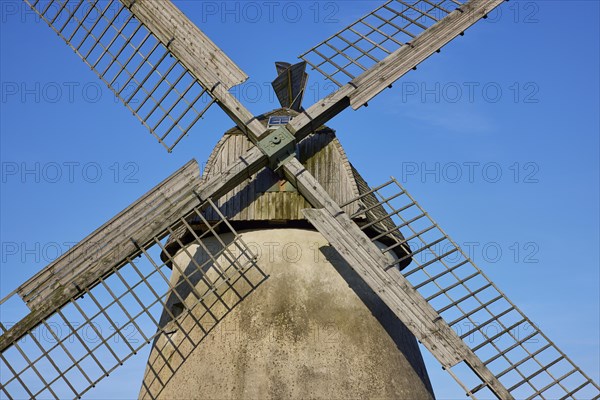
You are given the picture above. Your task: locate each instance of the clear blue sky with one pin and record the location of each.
(541, 134)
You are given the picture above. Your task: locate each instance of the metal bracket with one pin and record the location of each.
(279, 146)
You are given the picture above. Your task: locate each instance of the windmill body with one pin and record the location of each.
(306, 325)
(193, 259)
(311, 329)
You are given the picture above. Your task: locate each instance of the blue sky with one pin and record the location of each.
(518, 96)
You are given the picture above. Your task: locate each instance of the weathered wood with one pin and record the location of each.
(319, 113)
(243, 118)
(290, 84)
(205, 61)
(243, 167)
(80, 266)
(309, 187)
(186, 42)
(370, 263)
(389, 70)
(148, 217)
(322, 155)
(397, 293)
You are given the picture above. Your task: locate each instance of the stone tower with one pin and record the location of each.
(303, 324)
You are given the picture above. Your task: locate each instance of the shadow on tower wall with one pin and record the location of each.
(400, 334)
(213, 294)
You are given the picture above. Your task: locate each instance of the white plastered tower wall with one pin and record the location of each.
(308, 329)
(300, 323)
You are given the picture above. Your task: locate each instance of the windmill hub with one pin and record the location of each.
(279, 145)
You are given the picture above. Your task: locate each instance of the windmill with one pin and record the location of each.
(184, 197)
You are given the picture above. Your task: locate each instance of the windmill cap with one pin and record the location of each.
(267, 201)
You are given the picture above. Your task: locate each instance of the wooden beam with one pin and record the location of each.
(187, 42)
(243, 118)
(389, 70)
(319, 113)
(389, 283)
(216, 72)
(236, 172)
(398, 294)
(116, 240)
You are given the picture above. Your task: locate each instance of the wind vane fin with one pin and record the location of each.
(290, 84)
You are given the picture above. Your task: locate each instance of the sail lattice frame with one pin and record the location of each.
(137, 67)
(525, 361)
(84, 341)
(358, 47)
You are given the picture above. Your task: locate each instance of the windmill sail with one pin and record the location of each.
(375, 51)
(103, 264)
(80, 267)
(164, 81)
(366, 42)
(150, 217)
(83, 339)
(452, 307)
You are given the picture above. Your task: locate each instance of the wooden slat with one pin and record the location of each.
(368, 261)
(145, 219)
(186, 42)
(388, 71)
(213, 69)
(78, 267)
(397, 293)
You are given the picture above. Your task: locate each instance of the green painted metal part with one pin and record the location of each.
(279, 146)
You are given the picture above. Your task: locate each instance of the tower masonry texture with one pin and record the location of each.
(300, 323)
